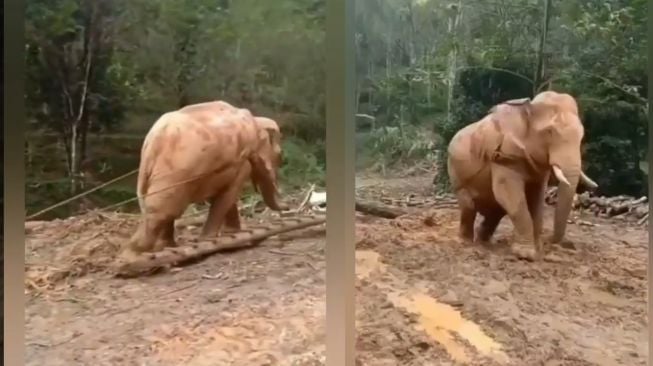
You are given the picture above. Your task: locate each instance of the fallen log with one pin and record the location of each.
(618, 206)
(148, 263)
(643, 219)
(374, 209)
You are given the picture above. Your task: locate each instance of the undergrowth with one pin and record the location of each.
(304, 164)
(390, 148)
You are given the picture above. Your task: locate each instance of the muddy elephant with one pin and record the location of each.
(232, 219)
(199, 153)
(501, 165)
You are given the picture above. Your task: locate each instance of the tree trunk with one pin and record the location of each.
(74, 159)
(539, 68)
(28, 154)
(83, 149)
(65, 142)
(413, 32)
(454, 20)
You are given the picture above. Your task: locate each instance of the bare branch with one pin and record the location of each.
(498, 69)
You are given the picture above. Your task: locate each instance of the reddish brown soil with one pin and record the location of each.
(422, 297)
(583, 306)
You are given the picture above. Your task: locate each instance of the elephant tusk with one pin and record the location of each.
(587, 181)
(561, 177)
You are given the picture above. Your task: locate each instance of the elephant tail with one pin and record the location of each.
(142, 185)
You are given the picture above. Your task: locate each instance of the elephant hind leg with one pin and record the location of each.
(166, 235)
(156, 232)
(222, 206)
(489, 224)
(535, 193)
(467, 216)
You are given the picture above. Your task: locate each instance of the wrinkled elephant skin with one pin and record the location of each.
(199, 153)
(501, 165)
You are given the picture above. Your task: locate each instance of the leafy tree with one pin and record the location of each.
(147, 57)
(470, 55)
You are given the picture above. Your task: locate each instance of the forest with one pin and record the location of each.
(427, 68)
(100, 72)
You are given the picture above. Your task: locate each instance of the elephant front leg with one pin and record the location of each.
(535, 196)
(222, 206)
(232, 219)
(509, 191)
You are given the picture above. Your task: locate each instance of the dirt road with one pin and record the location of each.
(422, 297)
(426, 299)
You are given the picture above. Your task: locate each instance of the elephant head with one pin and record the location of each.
(559, 132)
(266, 160)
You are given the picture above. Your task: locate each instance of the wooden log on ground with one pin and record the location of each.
(376, 209)
(148, 263)
(621, 206)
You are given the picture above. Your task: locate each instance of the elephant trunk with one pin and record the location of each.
(568, 179)
(266, 185)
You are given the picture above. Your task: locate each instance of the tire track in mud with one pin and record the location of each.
(440, 321)
(584, 307)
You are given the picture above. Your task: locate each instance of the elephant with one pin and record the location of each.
(501, 165)
(203, 152)
(232, 219)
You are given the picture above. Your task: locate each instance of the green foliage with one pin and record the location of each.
(395, 147)
(442, 65)
(302, 165)
(156, 56)
(613, 167)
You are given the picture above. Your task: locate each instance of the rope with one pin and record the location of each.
(73, 198)
(112, 206)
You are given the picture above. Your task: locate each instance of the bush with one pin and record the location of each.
(394, 147)
(303, 164)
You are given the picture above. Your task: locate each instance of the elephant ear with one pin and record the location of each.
(542, 119)
(269, 133)
(268, 129)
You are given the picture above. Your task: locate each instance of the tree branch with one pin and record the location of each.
(616, 86)
(87, 74)
(498, 69)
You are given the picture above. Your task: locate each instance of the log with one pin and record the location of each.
(618, 206)
(375, 209)
(134, 265)
(643, 219)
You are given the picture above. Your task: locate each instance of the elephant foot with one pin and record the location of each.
(482, 238)
(466, 235)
(139, 246)
(210, 232)
(567, 244)
(161, 244)
(232, 229)
(127, 254)
(527, 252)
(227, 231)
(465, 240)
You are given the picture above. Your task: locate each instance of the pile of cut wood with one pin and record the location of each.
(622, 206)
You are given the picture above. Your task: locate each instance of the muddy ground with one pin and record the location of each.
(422, 297)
